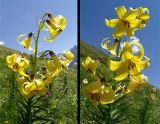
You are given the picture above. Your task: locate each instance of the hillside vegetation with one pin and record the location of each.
(63, 99)
(144, 108)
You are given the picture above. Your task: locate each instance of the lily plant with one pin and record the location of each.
(34, 79)
(124, 77)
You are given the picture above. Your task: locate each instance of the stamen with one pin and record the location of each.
(126, 23)
(15, 66)
(131, 65)
(143, 22)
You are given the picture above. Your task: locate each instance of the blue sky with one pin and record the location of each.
(93, 29)
(21, 16)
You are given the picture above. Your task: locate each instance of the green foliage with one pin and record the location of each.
(141, 107)
(62, 102)
(87, 50)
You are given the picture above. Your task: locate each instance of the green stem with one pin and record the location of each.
(27, 119)
(36, 43)
(118, 49)
(108, 118)
(36, 50)
(28, 114)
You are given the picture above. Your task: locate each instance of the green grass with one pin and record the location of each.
(144, 109)
(63, 101)
(88, 50)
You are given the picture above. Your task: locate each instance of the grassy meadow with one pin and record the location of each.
(62, 101)
(142, 107)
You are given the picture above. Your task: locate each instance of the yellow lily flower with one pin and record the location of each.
(97, 92)
(31, 88)
(17, 63)
(27, 89)
(26, 43)
(39, 84)
(54, 65)
(131, 65)
(52, 71)
(69, 56)
(55, 26)
(143, 15)
(53, 68)
(126, 22)
(112, 49)
(134, 85)
(90, 65)
(58, 22)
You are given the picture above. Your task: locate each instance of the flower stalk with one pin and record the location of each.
(124, 76)
(35, 83)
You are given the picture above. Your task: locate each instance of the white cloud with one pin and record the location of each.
(133, 38)
(2, 43)
(135, 48)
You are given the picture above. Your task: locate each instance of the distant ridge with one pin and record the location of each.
(88, 50)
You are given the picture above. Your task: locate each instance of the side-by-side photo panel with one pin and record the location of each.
(119, 75)
(38, 62)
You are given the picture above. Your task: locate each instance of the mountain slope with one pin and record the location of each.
(88, 50)
(145, 108)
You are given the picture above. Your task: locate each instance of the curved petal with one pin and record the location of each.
(114, 65)
(26, 43)
(112, 48)
(122, 75)
(107, 96)
(53, 34)
(135, 23)
(142, 65)
(121, 11)
(26, 89)
(87, 61)
(127, 52)
(136, 74)
(122, 72)
(104, 44)
(130, 15)
(90, 65)
(24, 64)
(53, 25)
(23, 91)
(112, 23)
(61, 21)
(135, 85)
(140, 54)
(91, 89)
(39, 84)
(69, 55)
(145, 16)
(11, 58)
(140, 10)
(19, 37)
